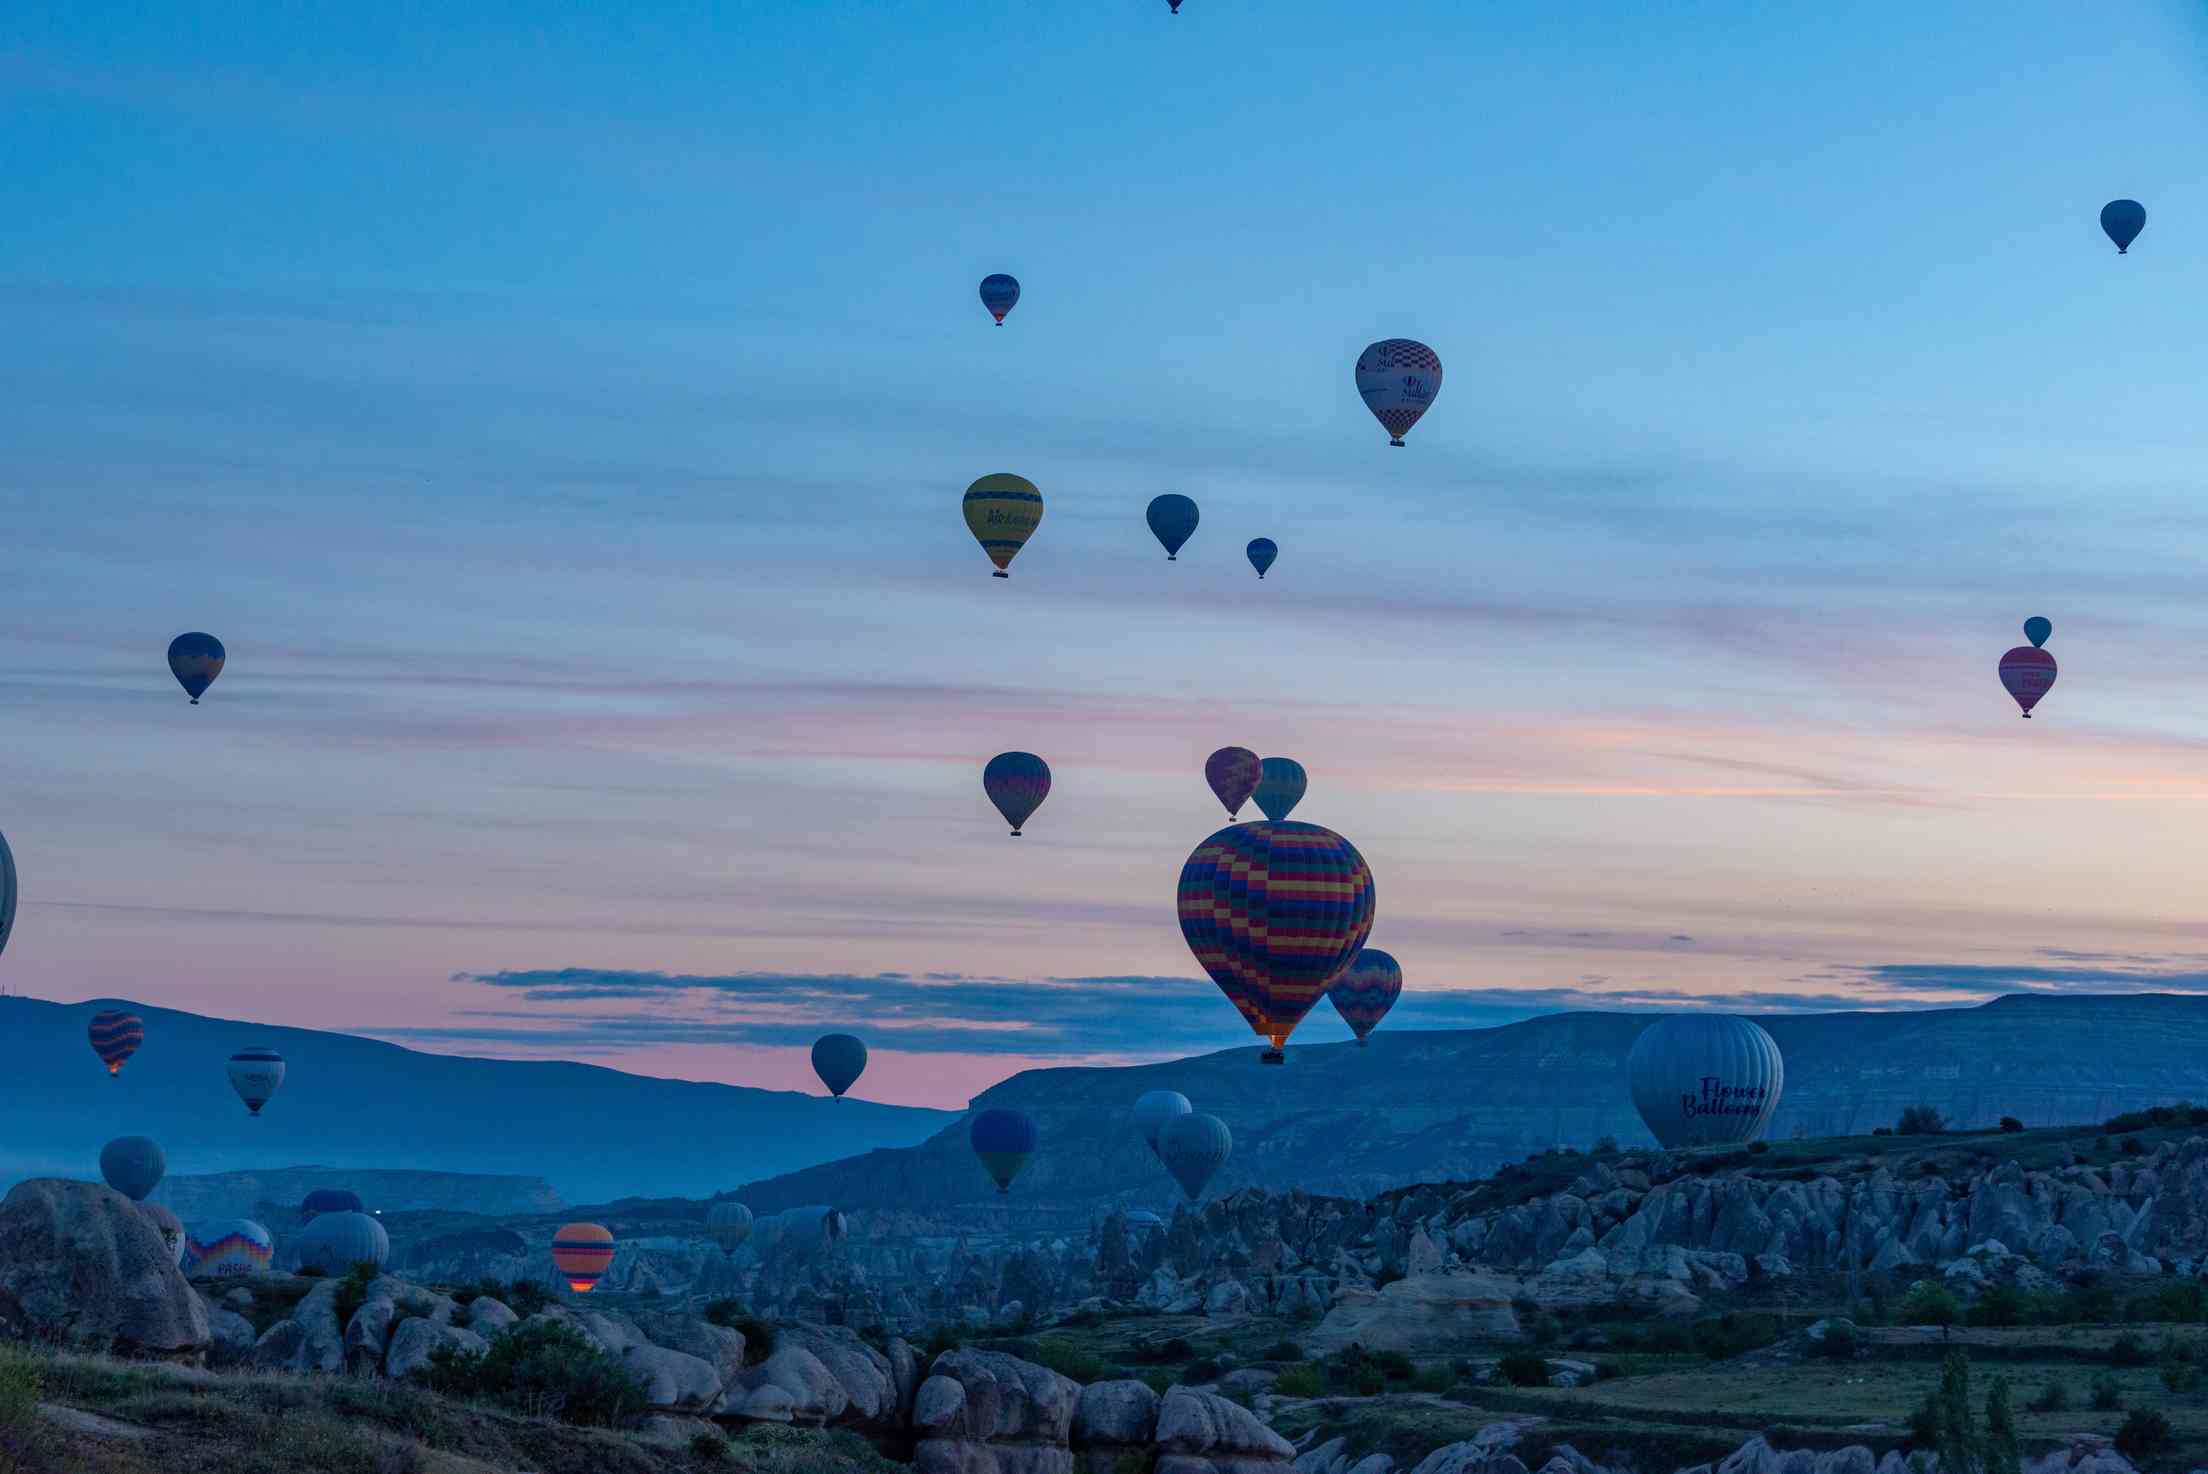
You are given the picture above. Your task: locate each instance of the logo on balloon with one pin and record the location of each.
(1720, 1099)
(1414, 387)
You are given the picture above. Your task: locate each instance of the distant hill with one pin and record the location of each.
(592, 1133)
(382, 1189)
(1440, 1105)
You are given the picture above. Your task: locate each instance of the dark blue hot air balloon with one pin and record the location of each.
(1017, 783)
(2123, 220)
(1172, 520)
(1004, 1140)
(330, 1200)
(1262, 552)
(839, 1060)
(1280, 785)
(2037, 629)
(195, 659)
(999, 293)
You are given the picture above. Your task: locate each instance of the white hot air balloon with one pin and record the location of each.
(728, 1224)
(256, 1074)
(1399, 379)
(335, 1242)
(1705, 1079)
(1194, 1148)
(1153, 1108)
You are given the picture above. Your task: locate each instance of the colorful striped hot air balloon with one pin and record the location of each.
(1399, 380)
(1004, 1140)
(115, 1037)
(1002, 512)
(582, 1252)
(229, 1248)
(1274, 912)
(195, 659)
(1366, 990)
(256, 1074)
(999, 293)
(839, 1060)
(1280, 785)
(2029, 673)
(1232, 773)
(1017, 783)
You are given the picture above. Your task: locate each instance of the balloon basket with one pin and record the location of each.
(1272, 1056)
(1000, 573)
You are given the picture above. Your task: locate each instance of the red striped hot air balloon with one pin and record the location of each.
(115, 1037)
(582, 1252)
(2028, 673)
(1366, 990)
(1274, 912)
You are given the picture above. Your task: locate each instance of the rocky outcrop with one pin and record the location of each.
(1429, 1315)
(983, 1412)
(417, 1339)
(1111, 1421)
(81, 1265)
(1203, 1433)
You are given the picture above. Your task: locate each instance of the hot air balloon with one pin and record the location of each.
(1153, 1108)
(999, 293)
(7, 892)
(1176, 4)
(115, 1037)
(839, 1060)
(1280, 785)
(195, 660)
(728, 1224)
(168, 1225)
(1002, 512)
(335, 1242)
(834, 1226)
(133, 1165)
(2123, 220)
(228, 1248)
(1193, 1149)
(582, 1253)
(2037, 629)
(256, 1074)
(1366, 990)
(1232, 773)
(1399, 379)
(2029, 673)
(330, 1200)
(1274, 912)
(1004, 1140)
(1701, 1079)
(1172, 520)
(1261, 552)
(1017, 783)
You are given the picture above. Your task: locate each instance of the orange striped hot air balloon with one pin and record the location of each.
(115, 1037)
(582, 1252)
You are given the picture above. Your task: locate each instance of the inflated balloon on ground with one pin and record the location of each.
(330, 1200)
(1153, 1108)
(1193, 1149)
(335, 1242)
(1705, 1079)
(1366, 990)
(228, 1248)
(728, 1224)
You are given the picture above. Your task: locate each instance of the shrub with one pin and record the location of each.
(1758, 1148)
(1394, 1365)
(1839, 1342)
(1158, 1379)
(1202, 1369)
(2144, 1433)
(1435, 1379)
(1733, 1333)
(709, 1448)
(2000, 1305)
(352, 1292)
(2011, 1124)
(1523, 1369)
(2000, 1451)
(1301, 1380)
(1158, 1353)
(2053, 1398)
(1371, 1381)
(2127, 1350)
(2107, 1396)
(1882, 1131)
(1920, 1120)
(541, 1369)
(23, 1439)
(1930, 1303)
(1281, 1351)
(1069, 1360)
(1605, 1147)
(2132, 1146)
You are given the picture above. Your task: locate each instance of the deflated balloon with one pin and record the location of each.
(839, 1060)
(256, 1074)
(1366, 990)
(115, 1037)
(1274, 912)
(195, 660)
(1280, 785)
(1153, 1108)
(133, 1165)
(330, 1200)
(335, 1242)
(1004, 1140)
(2038, 628)
(582, 1253)
(1172, 519)
(1002, 512)
(1193, 1149)
(1017, 783)
(2123, 220)
(728, 1224)
(1261, 552)
(7, 892)
(1232, 773)
(1399, 379)
(999, 293)
(2029, 673)
(228, 1247)
(168, 1225)
(1703, 1079)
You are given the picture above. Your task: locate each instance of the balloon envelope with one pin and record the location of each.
(168, 1225)
(2029, 673)
(115, 1037)
(1172, 519)
(582, 1253)
(1004, 1140)
(999, 293)
(1366, 990)
(1261, 552)
(728, 1224)
(1274, 912)
(256, 1075)
(7, 892)
(1193, 1149)
(839, 1060)
(228, 1247)
(1706, 1078)
(2038, 628)
(1399, 379)
(1002, 512)
(133, 1165)
(330, 1200)
(2123, 220)
(335, 1242)
(1153, 1108)
(1017, 783)
(1232, 773)
(195, 660)
(1280, 785)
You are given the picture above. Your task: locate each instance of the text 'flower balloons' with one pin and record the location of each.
(1703, 1079)
(1153, 1108)
(2028, 673)
(1274, 912)
(1003, 1140)
(1261, 552)
(1280, 785)
(195, 659)
(582, 1253)
(2123, 220)
(839, 1060)
(133, 1165)
(1366, 990)
(1232, 773)
(115, 1037)
(1172, 520)
(1002, 512)
(1194, 1148)
(1399, 380)
(999, 293)
(1017, 783)
(256, 1074)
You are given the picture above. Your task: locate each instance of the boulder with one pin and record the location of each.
(367, 1333)
(488, 1317)
(418, 1336)
(722, 1346)
(1117, 1413)
(673, 1381)
(1202, 1433)
(868, 1380)
(279, 1346)
(232, 1339)
(79, 1264)
(983, 1412)
(810, 1392)
(1434, 1314)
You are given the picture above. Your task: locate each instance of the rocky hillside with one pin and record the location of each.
(1441, 1106)
(253, 1194)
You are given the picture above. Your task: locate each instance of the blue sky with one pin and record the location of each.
(562, 420)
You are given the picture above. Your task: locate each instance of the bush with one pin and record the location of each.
(1158, 1353)
(1839, 1342)
(1920, 1120)
(1882, 1131)
(1281, 1351)
(2131, 1146)
(1158, 1380)
(2053, 1398)
(1930, 1303)
(709, 1448)
(1523, 1369)
(1202, 1369)
(2011, 1124)
(1435, 1379)
(1301, 1380)
(541, 1369)
(2000, 1305)
(2144, 1433)
(1394, 1365)
(23, 1429)
(1069, 1360)
(1371, 1381)
(2107, 1396)
(1605, 1147)
(2127, 1350)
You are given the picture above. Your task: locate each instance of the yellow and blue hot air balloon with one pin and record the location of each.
(1002, 511)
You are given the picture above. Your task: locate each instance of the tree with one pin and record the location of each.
(1115, 1266)
(2011, 1124)
(1958, 1431)
(2003, 1455)
(1930, 1303)
(1920, 1120)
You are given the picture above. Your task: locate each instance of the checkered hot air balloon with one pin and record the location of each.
(1232, 773)
(1274, 912)
(115, 1037)
(1366, 990)
(1399, 379)
(582, 1253)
